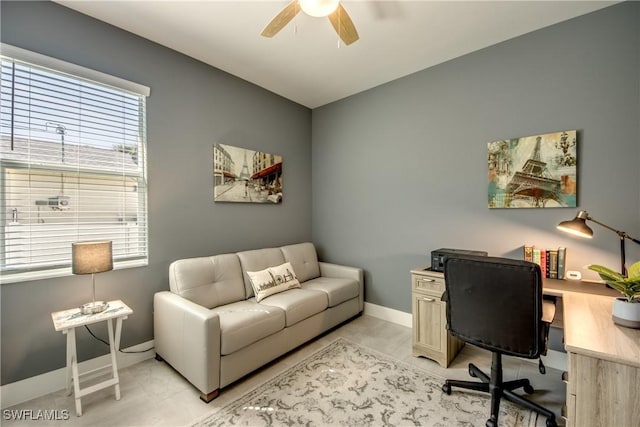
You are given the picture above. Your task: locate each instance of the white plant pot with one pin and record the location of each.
(626, 313)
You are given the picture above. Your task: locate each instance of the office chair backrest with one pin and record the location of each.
(495, 303)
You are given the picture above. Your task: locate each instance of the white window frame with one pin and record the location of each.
(78, 72)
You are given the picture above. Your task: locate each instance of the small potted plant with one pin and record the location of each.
(626, 311)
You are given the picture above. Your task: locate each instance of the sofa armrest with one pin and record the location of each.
(343, 271)
(187, 336)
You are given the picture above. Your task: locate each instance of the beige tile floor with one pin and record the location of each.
(153, 394)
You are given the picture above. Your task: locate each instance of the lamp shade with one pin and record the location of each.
(319, 8)
(577, 226)
(91, 257)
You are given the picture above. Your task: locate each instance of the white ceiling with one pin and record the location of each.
(309, 66)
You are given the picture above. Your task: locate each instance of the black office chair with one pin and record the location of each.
(497, 304)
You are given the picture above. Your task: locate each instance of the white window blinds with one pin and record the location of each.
(72, 168)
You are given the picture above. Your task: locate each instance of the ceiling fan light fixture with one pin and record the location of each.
(319, 8)
(332, 9)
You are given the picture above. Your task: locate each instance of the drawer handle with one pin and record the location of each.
(428, 299)
(428, 280)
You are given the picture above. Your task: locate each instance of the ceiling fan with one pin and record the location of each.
(333, 9)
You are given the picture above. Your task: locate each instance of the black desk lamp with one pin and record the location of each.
(579, 227)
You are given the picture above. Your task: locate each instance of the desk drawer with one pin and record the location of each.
(428, 284)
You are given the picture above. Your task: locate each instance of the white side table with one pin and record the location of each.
(67, 321)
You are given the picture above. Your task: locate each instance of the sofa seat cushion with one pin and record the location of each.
(337, 289)
(298, 304)
(245, 322)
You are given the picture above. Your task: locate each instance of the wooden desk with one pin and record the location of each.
(558, 288)
(603, 386)
(604, 359)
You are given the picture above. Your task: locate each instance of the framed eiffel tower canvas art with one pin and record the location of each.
(537, 171)
(246, 176)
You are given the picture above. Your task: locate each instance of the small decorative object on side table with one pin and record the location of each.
(67, 321)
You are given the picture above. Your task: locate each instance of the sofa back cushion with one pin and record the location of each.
(257, 260)
(208, 281)
(304, 259)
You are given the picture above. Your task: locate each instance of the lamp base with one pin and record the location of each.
(93, 307)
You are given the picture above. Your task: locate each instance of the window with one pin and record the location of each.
(72, 165)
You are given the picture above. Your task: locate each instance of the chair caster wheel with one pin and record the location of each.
(551, 422)
(528, 389)
(446, 388)
(491, 423)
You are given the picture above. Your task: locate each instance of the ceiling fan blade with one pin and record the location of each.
(281, 19)
(343, 25)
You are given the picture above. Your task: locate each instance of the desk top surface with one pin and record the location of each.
(560, 287)
(589, 330)
(588, 327)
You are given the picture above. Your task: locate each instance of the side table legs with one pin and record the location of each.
(67, 321)
(73, 375)
(71, 351)
(114, 344)
(72, 369)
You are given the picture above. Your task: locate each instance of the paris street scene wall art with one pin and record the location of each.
(246, 176)
(536, 171)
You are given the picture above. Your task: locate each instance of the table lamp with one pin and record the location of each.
(92, 258)
(578, 226)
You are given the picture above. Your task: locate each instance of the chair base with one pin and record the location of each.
(500, 389)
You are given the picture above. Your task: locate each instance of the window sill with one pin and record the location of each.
(62, 272)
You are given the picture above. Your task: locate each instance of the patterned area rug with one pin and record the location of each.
(345, 384)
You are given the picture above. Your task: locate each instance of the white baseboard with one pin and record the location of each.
(388, 314)
(49, 382)
(553, 359)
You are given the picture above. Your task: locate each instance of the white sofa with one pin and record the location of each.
(210, 328)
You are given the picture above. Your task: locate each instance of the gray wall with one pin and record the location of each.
(401, 169)
(191, 107)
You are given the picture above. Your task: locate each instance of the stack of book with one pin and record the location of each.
(551, 261)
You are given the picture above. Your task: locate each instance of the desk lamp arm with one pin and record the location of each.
(623, 235)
